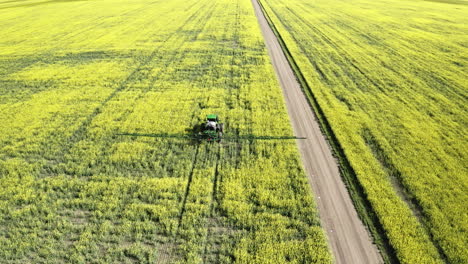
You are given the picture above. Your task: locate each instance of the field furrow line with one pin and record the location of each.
(187, 190)
(138, 74)
(402, 190)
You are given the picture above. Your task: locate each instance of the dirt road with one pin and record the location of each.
(348, 238)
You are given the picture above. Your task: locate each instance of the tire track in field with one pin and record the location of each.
(80, 133)
(345, 55)
(347, 236)
(212, 204)
(402, 191)
(206, 214)
(378, 84)
(187, 191)
(170, 247)
(174, 58)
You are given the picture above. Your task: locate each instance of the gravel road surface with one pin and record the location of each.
(348, 238)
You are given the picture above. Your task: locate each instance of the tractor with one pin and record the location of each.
(212, 129)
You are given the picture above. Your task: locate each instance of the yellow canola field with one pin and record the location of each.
(75, 74)
(391, 79)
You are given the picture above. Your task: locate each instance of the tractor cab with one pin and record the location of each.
(211, 122)
(212, 117)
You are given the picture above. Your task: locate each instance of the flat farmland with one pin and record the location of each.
(389, 79)
(76, 74)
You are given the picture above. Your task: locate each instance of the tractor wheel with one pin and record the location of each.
(221, 128)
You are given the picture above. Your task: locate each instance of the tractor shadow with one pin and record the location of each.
(195, 130)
